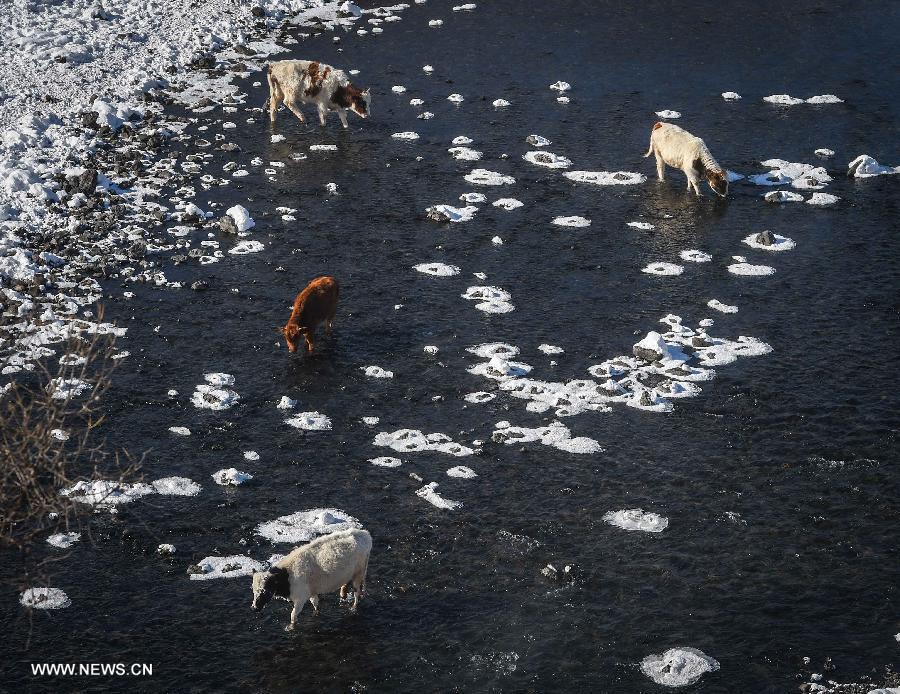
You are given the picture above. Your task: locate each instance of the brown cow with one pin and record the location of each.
(315, 304)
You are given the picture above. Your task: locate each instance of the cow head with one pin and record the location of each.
(293, 334)
(718, 181)
(359, 102)
(269, 584)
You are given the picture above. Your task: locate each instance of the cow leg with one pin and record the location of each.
(296, 111)
(295, 613)
(309, 343)
(273, 105)
(343, 592)
(660, 167)
(322, 112)
(314, 601)
(342, 114)
(694, 182)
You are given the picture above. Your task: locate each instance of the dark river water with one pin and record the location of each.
(801, 443)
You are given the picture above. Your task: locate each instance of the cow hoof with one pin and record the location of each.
(289, 627)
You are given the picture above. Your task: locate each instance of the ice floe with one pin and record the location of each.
(572, 221)
(667, 114)
(644, 226)
(465, 153)
(561, 86)
(678, 667)
(537, 141)
(231, 477)
(234, 566)
(176, 486)
(462, 140)
(767, 241)
(414, 441)
(246, 247)
(555, 435)
(63, 540)
(462, 472)
(429, 493)
(286, 403)
(695, 256)
(483, 177)
(45, 599)
(473, 198)
(663, 268)
(865, 166)
(398, 89)
(507, 203)
(606, 178)
(303, 526)
(797, 174)
(637, 519)
(106, 492)
(490, 299)
(500, 103)
(822, 199)
(181, 431)
(376, 372)
(456, 98)
(550, 349)
(719, 306)
(386, 461)
(213, 395)
(731, 96)
(309, 421)
(824, 152)
(479, 397)
(241, 217)
(448, 213)
(406, 135)
(783, 196)
(437, 269)
(750, 270)
(547, 159)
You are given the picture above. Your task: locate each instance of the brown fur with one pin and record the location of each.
(316, 304)
(658, 125)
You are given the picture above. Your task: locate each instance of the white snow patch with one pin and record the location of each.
(671, 115)
(606, 178)
(465, 153)
(547, 159)
(63, 540)
(490, 299)
(637, 519)
(782, 243)
(507, 203)
(561, 86)
(376, 372)
(414, 441)
(386, 461)
(303, 526)
(483, 177)
(231, 477)
(750, 270)
(556, 435)
(822, 199)
(437, 269)
(233, 566)
(429, 493)
(462, 472)
(678, 667)
(695, 256)
(865, 166)
(572, 221)
(310, 421)
(406, 135)
(663, 268)
(731, 96)
(448, 213)
(719, 306)
(45, 599)
(241, 217)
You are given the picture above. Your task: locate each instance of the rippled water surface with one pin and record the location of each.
(800, 443)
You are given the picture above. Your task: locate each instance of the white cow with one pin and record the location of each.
(681, 150)
(325, 565)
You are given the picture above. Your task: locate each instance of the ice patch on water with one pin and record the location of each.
(606, 178)
(537, 140)
(246, 247)
(462, 140)
(483, 177)
(310, 421)
(181, 431)
(824, 99)
(398, 89)
(490, 299)
(731, 96)
(822, 199)
(437, 269)
(303, 526)
(414, 441)
(671, 115)
(63, 540)
(456, 98)
(251, 455)
(429, 493)
(556, 435)
(45, 599)
(176, 486)
(783, 99)
(323, 148)
(749, 270)
(479, 397)
(644, 226)
(507, 203)
(286, 403)
(106, 493)
(376, 372)
(572, 221)
(406, 135)
(695, 256)
(233, 566)
(386, 461)
(824, 152)
(550, 349)
(678, 667)
(561, 86)
(462, 472)
(241, 217)
(865, 166)
(781, 243)
(783, 196)
(547, 159)
(662, 268)
(448, 213)
(473, 198)
(67, 388)
(465, 153)
(637, 519)
(214, 395)
(231, 477)
(500, 103)
(719, 306)
(371, 421)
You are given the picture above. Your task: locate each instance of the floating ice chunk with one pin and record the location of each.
(663, 268)
(427, 68)
(497, 241)
(723, 352)
(176, 486)
(323, 148)
(45, 599)
(448, 213)
(181, 431)
(767, 241)
(562, 99)
(432, 497)
(211, 397)
(824, 99)
(462, 140)
(783, 99)
(473, 198)
(547, 159)
(483, 177)
(731, 96)
(426, 115)
(606, 178)
(246, 247)
(414, 441)
(507, 203)
(719, 306)
(783, 196)
(106, 493)
(668, 114)
(573, 221)
(637, 519)
(491, 299)
(251, 455)
(231, 477)
(309, 421)
(276, 138)
(398, 89)
(376, 372)
(386, 461)
(63, 540)
(303, 526)
(437, 269)
(233, 566)
(823, 152)
(456, 98)
(241, 217)
(465, 153)
(462, 472)
(678, 667)
(416, 102)
(430, 349)
(371, 421)
(406, 135)
(865, 166)
(489, 350)
(822, 199)
(550, 349)
(500, 103)
(556, 435)
(286, 403)
(436, 22)
(750, 270)
(654, 348)
(479, 397)
(537, 141)
(67, 388)
(695, 256)
(645, 226)
(561, 86)
(467, 6)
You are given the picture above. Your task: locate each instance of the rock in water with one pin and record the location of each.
(766, 238)
(228, 225)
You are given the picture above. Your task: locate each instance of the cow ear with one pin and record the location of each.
(366, 92)
(277, 570)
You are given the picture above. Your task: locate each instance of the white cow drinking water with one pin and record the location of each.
(325, 565)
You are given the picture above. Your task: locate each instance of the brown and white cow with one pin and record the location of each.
(681, 150)
(296, 82)
(314, 305)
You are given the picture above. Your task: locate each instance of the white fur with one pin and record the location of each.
(289, 82)
(326, 565)
(679, 149)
